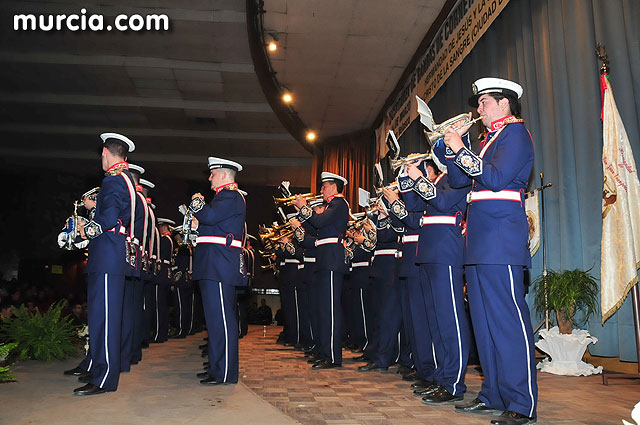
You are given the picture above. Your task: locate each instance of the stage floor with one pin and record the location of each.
(278, 387)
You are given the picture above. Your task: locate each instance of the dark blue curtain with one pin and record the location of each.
(548, 47)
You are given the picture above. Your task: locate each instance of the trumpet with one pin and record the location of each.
(67, 238)
(439, 130)
(404, 161)
(392, 186)
(286, 202)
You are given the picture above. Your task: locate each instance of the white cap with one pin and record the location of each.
(147, 183)
(124, 140)
(90, 192)
(136, 168)
(223, 163)
(166, 221)
(326, 176)
(494, 85)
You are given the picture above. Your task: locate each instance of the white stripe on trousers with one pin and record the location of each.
(295, 292)
(526, 341)
(455, 314)
(226, 336)
(90, 363)
(433, 350)
(106, 327)
(364, 321)
(179, 310)
(157, 316)
(333, 360)
(193, 302)
(399, 348)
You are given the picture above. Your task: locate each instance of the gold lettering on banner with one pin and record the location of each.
(464, 25)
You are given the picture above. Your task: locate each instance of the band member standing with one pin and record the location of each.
(496, 252)
(218, 267)
(331, 265)
(107, 264)
(163, 280)
(149, 269)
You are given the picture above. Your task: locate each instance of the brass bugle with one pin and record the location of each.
(397, 163)
(439, 130)
(285, 202)
(392, 186)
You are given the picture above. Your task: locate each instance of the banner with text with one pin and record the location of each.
(465, 24)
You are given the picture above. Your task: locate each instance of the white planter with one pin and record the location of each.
(566, 352)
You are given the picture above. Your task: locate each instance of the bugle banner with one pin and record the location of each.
(465, 24)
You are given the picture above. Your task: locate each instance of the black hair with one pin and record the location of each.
(339, 185)
(116, 149)
(431, 163)
(514, 104)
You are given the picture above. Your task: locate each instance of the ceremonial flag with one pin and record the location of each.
(620, 255)
(532, 208)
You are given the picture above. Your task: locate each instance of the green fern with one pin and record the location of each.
(41, 336)
(5, 349)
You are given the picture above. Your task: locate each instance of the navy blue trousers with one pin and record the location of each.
(183, 311)
(105, 294)
(443, 287)
(504, 337)
(329, 286)
(161, 320)
(127, 330)
(149, 323)
(360, 287)
(219, 303)
(138, 320)
(422, 348)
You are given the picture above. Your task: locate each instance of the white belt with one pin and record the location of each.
(218, 240)
(291, 261)
(487, 195)
(399, 254)
(166, 261)
(122, 230)
(300, 266)
(385, 252)
(360, 264)
(410, 238)
(281, 263)
(438, 219)
(326, 241)
(309, 259)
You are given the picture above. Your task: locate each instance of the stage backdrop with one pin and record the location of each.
(548, 47)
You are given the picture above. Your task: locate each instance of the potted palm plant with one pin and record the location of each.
(566, 293)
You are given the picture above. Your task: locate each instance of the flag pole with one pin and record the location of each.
(635, 295)
(544, 252)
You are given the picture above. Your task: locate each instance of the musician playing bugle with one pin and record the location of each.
(331, 225)
(496, 252)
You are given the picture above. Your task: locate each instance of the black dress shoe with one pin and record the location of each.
(413, 376)
(404, 370)
(361, 358)
(205, 364)
(512, 418)
(313, 356)
(204, 354)
(440, 396)
(325, 364)
(372, 367)
(425, 392)
(475, 406)
(76, 371)
(421, 384)
(202, 375)
(203, 346)
(89, 389)
(315, 360)
(211, 381)
(85, 378)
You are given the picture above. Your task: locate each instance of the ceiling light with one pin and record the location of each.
(272, 46)
(311, 136)
(287, 98)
